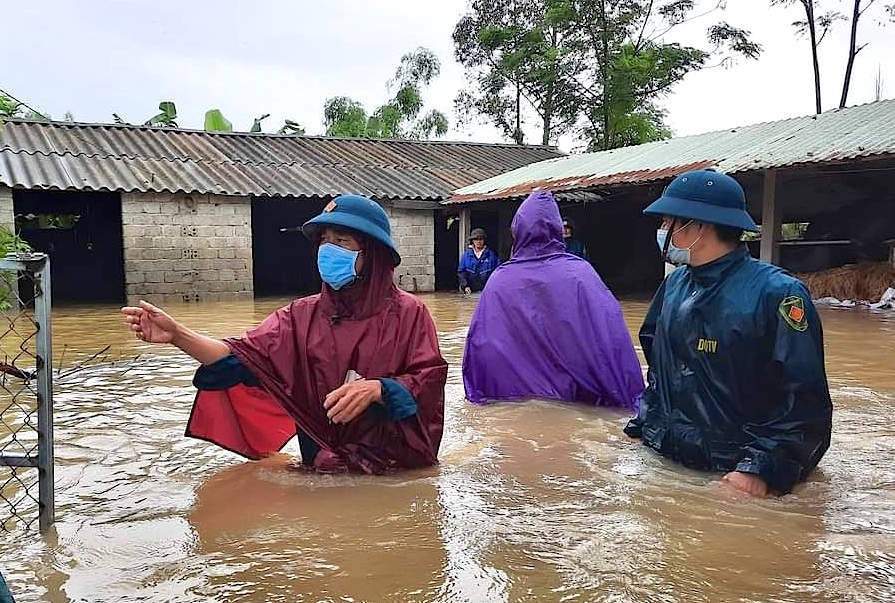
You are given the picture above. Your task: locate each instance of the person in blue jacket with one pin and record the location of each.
(573, 245)
(736, 380)
(477, 263)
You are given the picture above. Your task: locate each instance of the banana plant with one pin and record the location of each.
(216, 122)
(292, 127)
(167, 118)
(256, 125)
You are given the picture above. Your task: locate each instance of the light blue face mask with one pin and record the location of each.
(336, 265)
(675, 255)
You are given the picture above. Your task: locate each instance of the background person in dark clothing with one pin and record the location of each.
(573, 245)
(736, 379)
(477, 263)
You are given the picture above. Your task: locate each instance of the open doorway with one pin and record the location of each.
(284, 260)
(81, 233)
(489, 221)
(447, 253)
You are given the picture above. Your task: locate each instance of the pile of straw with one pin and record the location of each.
(857, 282)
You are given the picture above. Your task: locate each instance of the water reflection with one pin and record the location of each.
(531, 501)
(273, 533)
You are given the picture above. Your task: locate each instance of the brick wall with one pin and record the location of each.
(7, 214)
(187, 247)
(414, 233)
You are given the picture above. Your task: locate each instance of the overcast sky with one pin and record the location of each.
(285, 57)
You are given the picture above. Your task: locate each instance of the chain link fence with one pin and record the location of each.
(26, 393)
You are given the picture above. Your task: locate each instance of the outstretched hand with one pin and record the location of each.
(150, 324)
(349, 401)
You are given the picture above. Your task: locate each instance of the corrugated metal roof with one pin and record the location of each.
(104, 157)
(836, 135)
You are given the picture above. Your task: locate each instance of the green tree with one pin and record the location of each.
(630, 66)
(400, 116)
(9, 107)
(598, 66)
(343, 116)
(518, 54)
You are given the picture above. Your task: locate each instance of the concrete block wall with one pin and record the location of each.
(7, 213)
(414, 233)
(189, 248)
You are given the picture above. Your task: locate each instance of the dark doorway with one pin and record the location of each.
(447, 253)
(284, 260)
(489, 220)
(81, 232)
(621, 243)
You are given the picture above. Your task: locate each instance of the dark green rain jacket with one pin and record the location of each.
(736, 378)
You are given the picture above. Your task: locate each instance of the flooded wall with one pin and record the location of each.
(413, 231)
(7, 213)
(181, 247)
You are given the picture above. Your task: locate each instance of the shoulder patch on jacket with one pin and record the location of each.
(792, 309)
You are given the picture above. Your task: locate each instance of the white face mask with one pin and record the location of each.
(675, 255)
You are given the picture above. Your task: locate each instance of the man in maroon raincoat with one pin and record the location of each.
(355, 371)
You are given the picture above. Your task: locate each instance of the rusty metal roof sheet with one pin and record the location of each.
(103, 157)
(836, 135)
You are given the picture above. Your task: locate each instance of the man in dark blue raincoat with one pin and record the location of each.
(736, 379)
(476, 264)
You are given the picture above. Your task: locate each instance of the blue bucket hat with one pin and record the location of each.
(705, 196)
(355, 213)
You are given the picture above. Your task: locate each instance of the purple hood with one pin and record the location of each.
(546, 326)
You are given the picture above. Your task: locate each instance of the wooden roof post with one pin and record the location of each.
(465, 228)
(770, 219)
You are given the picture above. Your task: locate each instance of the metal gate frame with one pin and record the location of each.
(37, 267)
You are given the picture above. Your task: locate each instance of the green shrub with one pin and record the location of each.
(9, 243)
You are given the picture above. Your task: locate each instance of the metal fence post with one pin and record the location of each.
(45, 456)
(24, 446)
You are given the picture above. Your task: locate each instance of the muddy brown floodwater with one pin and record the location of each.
(531, 502)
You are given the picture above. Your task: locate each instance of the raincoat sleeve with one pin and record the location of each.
(786, 446)
(423, 378)
(634, 428)
(397, 400)
(223, 374)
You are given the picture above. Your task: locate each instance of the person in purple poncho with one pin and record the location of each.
(547, 327)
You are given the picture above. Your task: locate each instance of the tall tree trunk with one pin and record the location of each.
(605, 75)
(517, 135)
(548, 115)
(812, 31)
(852, 53)
(547, 110)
